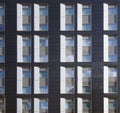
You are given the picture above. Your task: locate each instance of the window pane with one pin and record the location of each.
(43, 89)
(26, 10)
(2, 11)
(43, 74)
(69, 26)
(112, 72)
(43, 41)
(43, 27)
(86, 26)
(113, 11)
(26, 27)
(69, 41)
(43, 105)
(112, 41)
(70, 72)
(86, 11)
(43, 11)
(26, 74)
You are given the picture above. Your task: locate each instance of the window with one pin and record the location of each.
(112, 10)
(69, 49)
(26, 17)
(110, 16)
(86, 106)
(43, 49)
(2, 17)
(2, 80)
(23, 17)
(40, 80)
(23, 48)
(67, 105)
(26, 80)
(86, 80)
(23, 105)
(23, 80)
(86, 17)
(2, 105)
(43, 80)
(110, 48)
(112, 106)
(86, 41)
(112, 73)
(40, 48)
(43, 105)
(2, 49)
(69, 17)
(67, 80)
(41, 17)
(26, 49)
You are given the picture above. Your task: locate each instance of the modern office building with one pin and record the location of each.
(59, 56)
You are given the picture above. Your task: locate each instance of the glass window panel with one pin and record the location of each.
(2, 42)
(86, 41)
(86, 26)
(86, 11)
(43, 58)
(44, 11)
(26, 42)
(2, 27)
(26, 27)
(69, 50)
(26, 90)
(26, 10)
(43, 105)
(112, 89)
(2, 11)
(26, 58)
(26, 73)
(2, 73)
(86, 50)
(43, 41)
(112, 26)
(112, 104)
(86, 105)
(112, 50)
(113, 11)
(86, 58)
(43, 27)
(112, 19)
(112, 72)
(112, 41)
(43, 89)
(69, 41)
(113, 58)
(69, 26)
(26, 105)
(69, 104)
(44, 74)
(70, 89)
(86, 72)
(86, 89)
(69, 72)
(69, 11)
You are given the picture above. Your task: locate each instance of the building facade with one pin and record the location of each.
(59, 56)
